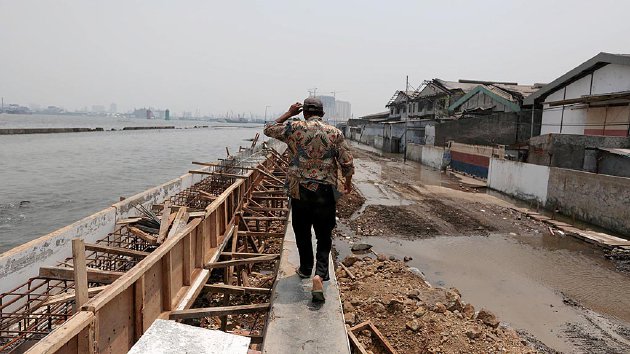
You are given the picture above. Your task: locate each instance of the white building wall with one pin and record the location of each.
(608, 79)
(611, 78)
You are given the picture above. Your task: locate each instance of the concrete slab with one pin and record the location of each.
(297, 325)
(172, 337)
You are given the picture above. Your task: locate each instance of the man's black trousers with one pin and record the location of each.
(316, 209)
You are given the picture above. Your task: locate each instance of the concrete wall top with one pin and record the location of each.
(23, 262)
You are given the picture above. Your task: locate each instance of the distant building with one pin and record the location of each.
(335, 111)
(113, 108)
(329, 106)
(98, 108)
(53, 110)
(343, 111)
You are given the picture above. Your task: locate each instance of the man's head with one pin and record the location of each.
(313, 107)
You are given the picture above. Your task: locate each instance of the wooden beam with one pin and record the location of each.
(80, 273)
(115, 250)
(69, 295)
(232, 175)
(262, 234)
(234, 289)
(266, 218)
(218, 311)
(165, 222)
(188, 259)
(127, 221)
(235, 262)
(247, 255)
(53, 342)
(207, 195)
(143, 235)
(180, 221)
(167, 281)
(138, 307)
(227, 167)
(67, 273)
(356, 344)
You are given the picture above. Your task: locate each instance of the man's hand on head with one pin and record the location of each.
(295, 109)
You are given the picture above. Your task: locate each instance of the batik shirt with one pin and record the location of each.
(316, 152)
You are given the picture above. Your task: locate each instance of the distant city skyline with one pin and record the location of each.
(191, 57)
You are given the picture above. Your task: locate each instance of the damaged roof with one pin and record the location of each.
(510, 95)
(600, 60)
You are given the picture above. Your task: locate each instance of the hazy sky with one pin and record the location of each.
(242, 55)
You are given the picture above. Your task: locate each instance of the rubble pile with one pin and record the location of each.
(417, 318)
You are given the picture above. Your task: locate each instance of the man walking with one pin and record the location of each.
(316, 152)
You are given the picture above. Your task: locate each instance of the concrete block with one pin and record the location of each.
(172, 337)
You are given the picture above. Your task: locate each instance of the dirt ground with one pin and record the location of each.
(412, 315)
(417, 318)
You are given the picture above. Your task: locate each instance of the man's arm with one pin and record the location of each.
(346, 163)
(278, 129)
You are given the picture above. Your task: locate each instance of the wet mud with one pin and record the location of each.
(561, 291)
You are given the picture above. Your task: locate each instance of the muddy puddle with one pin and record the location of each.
(560, 290)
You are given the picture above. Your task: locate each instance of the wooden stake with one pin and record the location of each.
(80, 273)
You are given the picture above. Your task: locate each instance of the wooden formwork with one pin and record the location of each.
(165, 282)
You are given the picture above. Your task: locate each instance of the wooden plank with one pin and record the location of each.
(138, 307)
(356, 344)
(115, 250)
(63, 334)
(187, 300)
(67, 273)
(247, 255)
(69, 295)
(234, 289)
(235, 262)
(180, 221)
(80, 273)
(188, 260)
(218, 311)
(245, 278)
(213, 228)
(262, 234)
(165, 222)
(232, 175)
(266, 218)
(382, 338)
(143, 235)
(167, 281)
(85, 340)
(127, 221)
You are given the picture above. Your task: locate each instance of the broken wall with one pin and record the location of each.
(568, 151)
(598, 199)
(498, 128)
(432, 156)
(414, 152)
(521, 180)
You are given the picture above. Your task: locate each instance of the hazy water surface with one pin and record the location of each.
(48, 181)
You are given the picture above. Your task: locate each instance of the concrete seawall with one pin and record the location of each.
(19, 131)
(14, 131)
